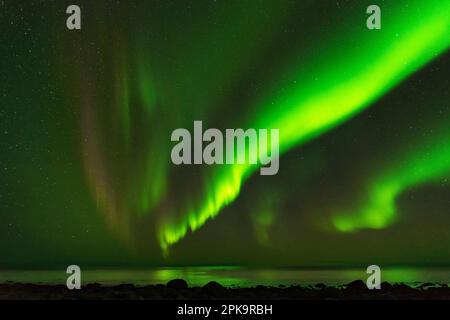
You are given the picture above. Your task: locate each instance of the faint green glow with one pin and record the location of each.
(262, 221)
(123, 102)
(425, 163)
(146, 84)
(321, 96)
(263, 215)
(390, 274)
(404, 275)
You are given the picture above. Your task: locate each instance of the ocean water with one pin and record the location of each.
(230, 276)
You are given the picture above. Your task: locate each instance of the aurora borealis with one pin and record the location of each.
(364, 120)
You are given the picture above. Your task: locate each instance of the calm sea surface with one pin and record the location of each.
(230, 276)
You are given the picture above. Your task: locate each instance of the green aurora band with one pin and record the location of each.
(317, 89)
(316, 99)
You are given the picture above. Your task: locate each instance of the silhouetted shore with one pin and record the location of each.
(178, 289)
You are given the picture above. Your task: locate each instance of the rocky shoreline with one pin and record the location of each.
(178, 289)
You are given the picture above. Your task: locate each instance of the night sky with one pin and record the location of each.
(86, 118)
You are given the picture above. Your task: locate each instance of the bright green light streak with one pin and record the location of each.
(346, 85)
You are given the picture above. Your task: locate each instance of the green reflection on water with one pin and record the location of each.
(231, 276)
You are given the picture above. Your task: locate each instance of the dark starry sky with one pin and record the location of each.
(86, 116)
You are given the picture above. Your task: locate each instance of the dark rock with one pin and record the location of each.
(386, 285)
(260, 287)
(213, 288)
(402, 288)
(93, 286)
(178, 284)
(426, 285)
(320, 286)
(125, 287)
(357, 285)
